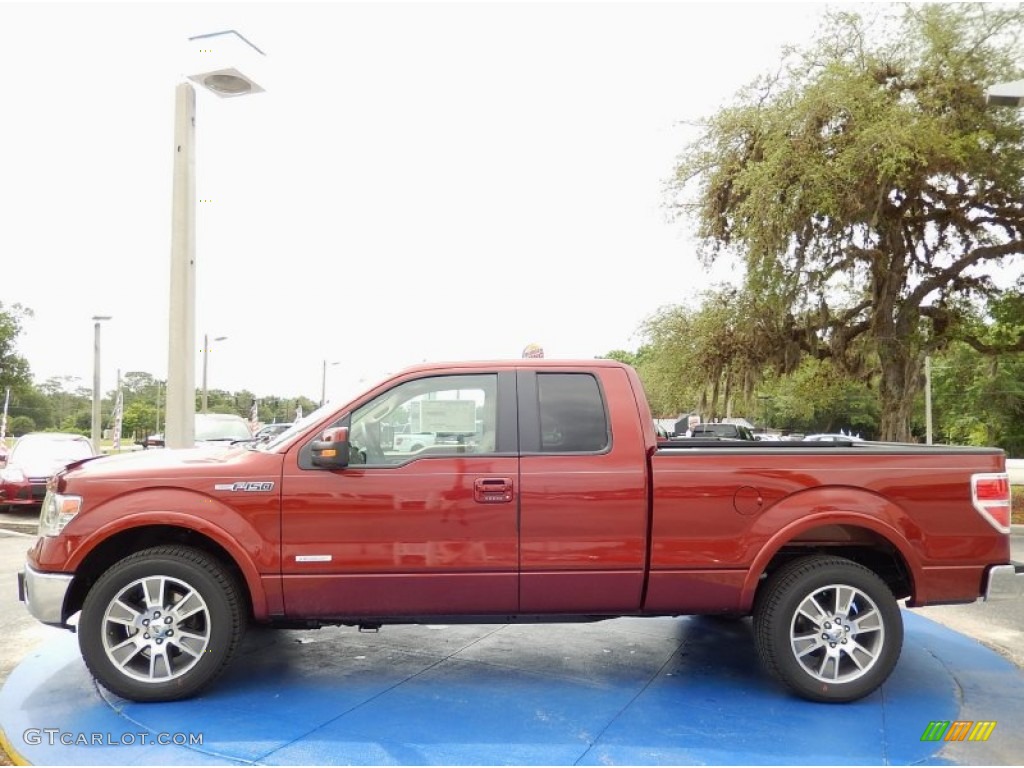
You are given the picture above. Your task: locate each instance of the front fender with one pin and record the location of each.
(834, 506)
(251, 550)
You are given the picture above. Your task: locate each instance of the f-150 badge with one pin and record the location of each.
(261, 485)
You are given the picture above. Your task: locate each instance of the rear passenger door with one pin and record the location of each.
(583, 492)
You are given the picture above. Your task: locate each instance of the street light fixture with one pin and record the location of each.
(1009, 94)
(214, 51)
(323, 382)
(206, 355)
(96, 319)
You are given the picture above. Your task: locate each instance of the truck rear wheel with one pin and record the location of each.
(161, 624)
(828, 628)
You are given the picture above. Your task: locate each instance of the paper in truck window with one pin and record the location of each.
(448, 416)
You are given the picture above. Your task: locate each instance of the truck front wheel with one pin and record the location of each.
(828, 628)
(161, 624)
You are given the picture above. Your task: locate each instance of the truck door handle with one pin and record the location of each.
(492, 490)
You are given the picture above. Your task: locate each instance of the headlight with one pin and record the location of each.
(12, 475)
(57, 511)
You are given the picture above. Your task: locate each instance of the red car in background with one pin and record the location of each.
(33, 460)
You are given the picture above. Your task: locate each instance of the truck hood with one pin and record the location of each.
(169, 465)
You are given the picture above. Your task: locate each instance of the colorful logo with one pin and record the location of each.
(958, 730)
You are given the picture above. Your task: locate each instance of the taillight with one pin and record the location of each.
(990, 494)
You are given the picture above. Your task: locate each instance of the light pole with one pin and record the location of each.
(323, 382)
(96, 319)
(157, 406)
(765, 399)
(219, 77)
(206, 355)
(928, 399)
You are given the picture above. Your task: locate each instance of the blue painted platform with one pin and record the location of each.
(681, 691)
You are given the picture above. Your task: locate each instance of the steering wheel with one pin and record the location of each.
(366, 438)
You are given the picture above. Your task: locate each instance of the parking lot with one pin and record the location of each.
(639, 691)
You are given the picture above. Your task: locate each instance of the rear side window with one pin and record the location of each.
(572, 413)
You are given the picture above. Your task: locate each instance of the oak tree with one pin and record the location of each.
(872, 192)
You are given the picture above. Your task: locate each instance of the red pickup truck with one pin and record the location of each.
(552, 500)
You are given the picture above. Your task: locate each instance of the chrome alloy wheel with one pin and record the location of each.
(837, 633)
(156, 629)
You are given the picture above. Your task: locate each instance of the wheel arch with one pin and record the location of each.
(861, 538)
(110, 549)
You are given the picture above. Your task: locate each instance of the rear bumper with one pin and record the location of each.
(1005, 582)
(44, 594)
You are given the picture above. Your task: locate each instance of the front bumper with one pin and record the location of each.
(44, 594)
(1005, 582)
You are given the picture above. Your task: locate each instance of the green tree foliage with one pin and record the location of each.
(14, 369)
(29, 402)
(871, 191)
(65, 400)
(139, 419)
(817, 397)
(20, 425)
(662, 385)
(709, 359)
(978, 399)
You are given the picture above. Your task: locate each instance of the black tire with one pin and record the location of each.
(162, 624)
(800, 641)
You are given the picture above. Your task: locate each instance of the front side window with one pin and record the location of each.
(572, 413)
(434, 416)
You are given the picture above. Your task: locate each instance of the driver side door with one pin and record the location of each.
(430, 532)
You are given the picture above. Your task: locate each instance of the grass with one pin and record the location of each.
(1017, 503)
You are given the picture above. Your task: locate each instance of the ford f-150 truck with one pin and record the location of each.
(566, 508)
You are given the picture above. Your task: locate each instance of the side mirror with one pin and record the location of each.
(331, 450)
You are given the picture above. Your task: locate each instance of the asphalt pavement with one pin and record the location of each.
(627, 691)
(20, 632)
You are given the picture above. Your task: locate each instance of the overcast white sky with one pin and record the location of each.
(419, 182)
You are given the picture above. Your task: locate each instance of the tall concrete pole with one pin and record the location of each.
(96, 387)
(206, 360)
(181, 363)
(323, 386)
(323, 382)
(96, 395)
(928, 399)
